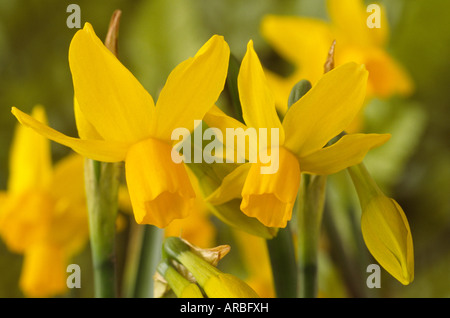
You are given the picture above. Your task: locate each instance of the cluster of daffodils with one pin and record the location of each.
(119, 121)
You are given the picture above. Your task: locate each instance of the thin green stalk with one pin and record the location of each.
(309, 210)
(149, 260)
(132, 259)
(142, 259)
(348, 264)
(282, 259)
(102, 185)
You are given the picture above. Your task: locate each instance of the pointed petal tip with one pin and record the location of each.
(88, 27)
(16, 112)
(217, 38)
(407, 280)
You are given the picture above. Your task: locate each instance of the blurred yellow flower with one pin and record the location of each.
(320, 115)
(43, 215)
(305, 42)
(255, 256)
(117, 120)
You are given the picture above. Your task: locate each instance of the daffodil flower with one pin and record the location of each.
(320, 115)
(305, 41)
(117, 120)
(43, 214)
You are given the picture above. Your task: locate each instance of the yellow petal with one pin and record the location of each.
(44, 272)
(347, 151)
(281, 88)
(388, 237)
(234, 151)
(305, 43)
(258, 105)
(270, 197)
(326, 110)
(107, 151)
(3, 199)
(192, 88)
(386, 76)
(231, 186)
(25, 219)
(255, 256)
(197, 228)
(85, 128)
(160, 190)
(216, 118)
(109, 96)
(69, 227)
(30, 162)
(67, 182)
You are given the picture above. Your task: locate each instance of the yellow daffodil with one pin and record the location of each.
(385, 227)
(43, 215)
(197, 228)
(117, 120)
(215, 283)
(305, 41)
(320, 115)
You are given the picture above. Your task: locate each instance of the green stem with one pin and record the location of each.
(309, 205)
(346, 262)
(149, 260)
(364, 184)
(282, 259)
(102, 185)
(144, 253)
(132, 259)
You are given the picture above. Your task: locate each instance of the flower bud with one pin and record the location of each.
(214, 282)
(385, 227)
(180, 285)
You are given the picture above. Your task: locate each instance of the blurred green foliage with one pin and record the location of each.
(155, 35)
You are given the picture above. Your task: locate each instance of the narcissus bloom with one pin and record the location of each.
(305, 41)
(385, 227)
(117, 120)
(43, 214)
(320, 115)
